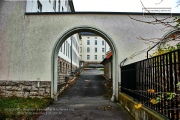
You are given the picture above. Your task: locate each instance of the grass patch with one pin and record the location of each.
(22, 108)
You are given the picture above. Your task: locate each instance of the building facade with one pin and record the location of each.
(68, 57)
(93, 48)
(50, 6)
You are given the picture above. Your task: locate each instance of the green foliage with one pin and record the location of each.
(178, 85)
(165, 49)
(21, 108)
(170, 95)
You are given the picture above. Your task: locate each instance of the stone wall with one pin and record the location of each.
(25, 89)
(64, 69)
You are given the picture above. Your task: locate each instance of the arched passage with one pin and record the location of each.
(67, 34)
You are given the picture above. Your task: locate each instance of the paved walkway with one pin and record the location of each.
(84, 101)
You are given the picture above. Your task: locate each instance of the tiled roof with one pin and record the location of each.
(109, 55)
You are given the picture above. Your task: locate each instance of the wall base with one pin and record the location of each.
(141, 113)
(25, 89)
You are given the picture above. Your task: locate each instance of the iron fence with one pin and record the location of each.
(154, 83)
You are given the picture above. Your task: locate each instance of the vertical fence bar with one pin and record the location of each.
(164, 83)
(155, 82)
(151, 79)
(168, 83)
(137, 79)
(171, 83)
(144, 83)
(140, 72)
(158, 82)
(148, 81)
(178, 61)
(154, 76)
(161, 83)
(175, 89)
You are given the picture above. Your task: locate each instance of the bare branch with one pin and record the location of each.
(159, 2)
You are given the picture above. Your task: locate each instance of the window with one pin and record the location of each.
(59, 5)
(80, 42)
(80, 49)
(88, 42)
(88, 49)
(88, 57)
(65, 2)
(39, 6)
(95, 42)
(68, 50)
(54, 5)
(95, 57)
(95, 37)
(61, 49)
(102, 49)
(95, 49)
(81, 57)
(102, 57)
(103, 42)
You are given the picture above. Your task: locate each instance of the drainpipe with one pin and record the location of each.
(71, 54)
(105, 48)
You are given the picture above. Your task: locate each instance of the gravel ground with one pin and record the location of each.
(84, 101)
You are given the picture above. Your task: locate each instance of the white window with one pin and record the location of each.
(95, 49)
(95, 57)
(102, 49)
(88, 42)
(59, 5)
(88, 57)
(88, 49)
(103, 42)
(81, 57)
(80, 49)
(54, 5)
(102, 57)
(95, 42)
(39, 6)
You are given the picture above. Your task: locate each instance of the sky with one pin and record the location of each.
(124, 5)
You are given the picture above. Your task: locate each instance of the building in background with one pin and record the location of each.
(93, 48)
(107, 62)
(68, 57)
(50, 6)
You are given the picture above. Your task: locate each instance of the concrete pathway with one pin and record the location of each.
(84, 101)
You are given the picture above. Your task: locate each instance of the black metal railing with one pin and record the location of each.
(156, 79)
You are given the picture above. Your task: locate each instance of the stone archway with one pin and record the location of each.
(67, 34)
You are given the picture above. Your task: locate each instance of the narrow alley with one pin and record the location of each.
(85, 100)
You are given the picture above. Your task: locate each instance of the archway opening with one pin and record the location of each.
(64, 37)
